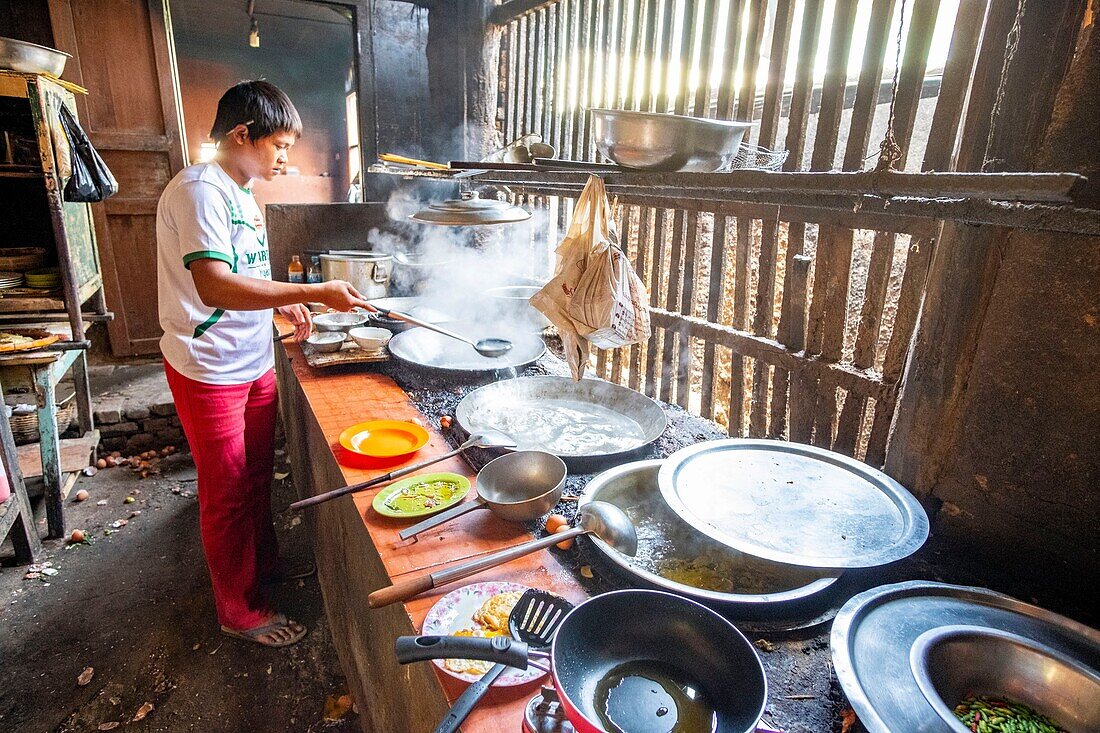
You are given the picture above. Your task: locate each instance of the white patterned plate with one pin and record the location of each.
(455, 611)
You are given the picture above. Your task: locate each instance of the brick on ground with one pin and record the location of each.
(108, 411)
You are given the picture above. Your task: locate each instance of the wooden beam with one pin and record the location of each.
(511, 10)
(863, 382)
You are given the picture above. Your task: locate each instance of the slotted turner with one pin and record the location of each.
(533, 620)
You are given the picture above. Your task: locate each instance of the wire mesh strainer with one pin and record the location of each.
(754, 157)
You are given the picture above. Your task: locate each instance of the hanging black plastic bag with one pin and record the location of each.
(91, 179)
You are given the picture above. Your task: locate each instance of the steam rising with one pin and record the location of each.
(454, 267)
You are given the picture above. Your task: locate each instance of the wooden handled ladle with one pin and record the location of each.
(490, 347)
(606, 521)
(484, 439)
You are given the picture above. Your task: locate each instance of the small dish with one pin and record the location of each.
(370, 338)
(384, 438)
(326, 342)
(388, 504)
(454, 612)
(339, 321)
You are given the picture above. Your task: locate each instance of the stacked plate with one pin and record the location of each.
(48, 278)
(10, 280)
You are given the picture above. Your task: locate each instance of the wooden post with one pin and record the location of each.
(463, 49)
(25, 538)
(966, 261)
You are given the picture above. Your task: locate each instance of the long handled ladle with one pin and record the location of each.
(606, 521)
(486, 439)
(491, 347)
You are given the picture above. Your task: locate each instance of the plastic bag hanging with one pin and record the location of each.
(91, 178)
(595, 297)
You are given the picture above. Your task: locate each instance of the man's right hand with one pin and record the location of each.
(340, 295)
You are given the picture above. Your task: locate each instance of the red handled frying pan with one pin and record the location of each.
(633, 661)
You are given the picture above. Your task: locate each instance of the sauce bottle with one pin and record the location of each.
(313, 274)
(295, 273)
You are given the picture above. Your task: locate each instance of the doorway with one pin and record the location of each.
(307, 49)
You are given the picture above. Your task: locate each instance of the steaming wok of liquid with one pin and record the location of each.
(645, 696)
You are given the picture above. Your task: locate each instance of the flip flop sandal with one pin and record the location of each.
(278, 622)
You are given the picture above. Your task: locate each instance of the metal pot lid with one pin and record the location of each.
(793, 503)
(671, 551)
(424, 348)
(470, 210)
(586, 419)
(876, 639)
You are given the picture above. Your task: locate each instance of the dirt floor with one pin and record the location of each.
(135, 606)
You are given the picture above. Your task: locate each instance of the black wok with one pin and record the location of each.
(634, 661)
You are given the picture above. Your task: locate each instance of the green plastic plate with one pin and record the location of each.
(382, 496)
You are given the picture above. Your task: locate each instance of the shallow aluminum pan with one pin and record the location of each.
(663, 536)
(423, 348)
(30, 58)
(793, 503)
(877, 641)
(585, 423)
(665, 142)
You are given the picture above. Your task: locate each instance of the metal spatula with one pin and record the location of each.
(533, 620)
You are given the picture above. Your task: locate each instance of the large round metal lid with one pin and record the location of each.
(793, 503)
(471, 210)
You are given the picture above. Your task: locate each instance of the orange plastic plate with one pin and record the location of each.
(384, 438)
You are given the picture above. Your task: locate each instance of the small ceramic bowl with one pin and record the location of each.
(370, 338)
(326, 341)
(332, 322)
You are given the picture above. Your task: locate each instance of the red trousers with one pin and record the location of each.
(231, 432)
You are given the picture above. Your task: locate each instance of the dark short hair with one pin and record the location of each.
(259, 105)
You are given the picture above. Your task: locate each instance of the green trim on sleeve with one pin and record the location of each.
(205, 325)
(207, 254)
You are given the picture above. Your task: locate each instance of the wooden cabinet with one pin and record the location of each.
(32, 208)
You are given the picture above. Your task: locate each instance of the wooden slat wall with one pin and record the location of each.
(820, 290)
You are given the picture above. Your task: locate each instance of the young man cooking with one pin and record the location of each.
(216, 298)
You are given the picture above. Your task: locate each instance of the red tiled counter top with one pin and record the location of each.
(359, 551)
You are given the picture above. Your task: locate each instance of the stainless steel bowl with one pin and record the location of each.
(951, 663)
(327, 341)
(665, 142)
(30, 58)
(513, 302)
(339, 322)
(666, 541)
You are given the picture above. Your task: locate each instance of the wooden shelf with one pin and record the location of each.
(1039, 201)
(28, 172)
(30, 304)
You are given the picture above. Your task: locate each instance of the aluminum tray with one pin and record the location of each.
(584, 423)
(875, 633)
(793, 503)
(423, 348)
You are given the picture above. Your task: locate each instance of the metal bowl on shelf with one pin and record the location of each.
(30, 58)
(656, 141)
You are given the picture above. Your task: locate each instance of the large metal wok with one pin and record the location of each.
(633, 660)
(673, 556)
(588, 424)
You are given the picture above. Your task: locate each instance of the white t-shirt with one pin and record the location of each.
(203, 213)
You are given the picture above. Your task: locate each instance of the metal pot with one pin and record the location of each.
(513, 302)
(368, 272)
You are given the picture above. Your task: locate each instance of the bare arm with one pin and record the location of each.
(219, 287)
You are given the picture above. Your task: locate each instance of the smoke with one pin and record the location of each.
(455, 268)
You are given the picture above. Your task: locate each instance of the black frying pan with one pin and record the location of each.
(631, 660)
